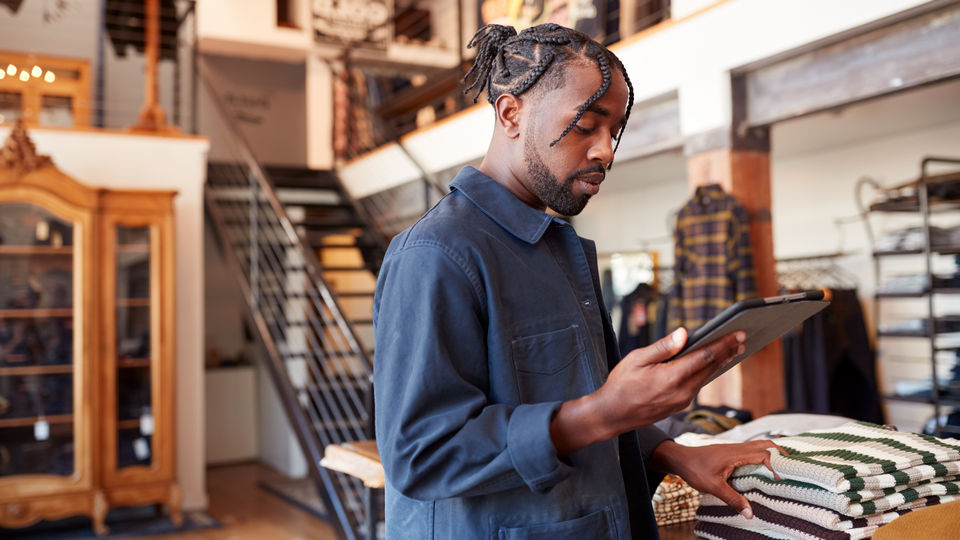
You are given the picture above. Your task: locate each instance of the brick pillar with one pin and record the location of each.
(740, 163)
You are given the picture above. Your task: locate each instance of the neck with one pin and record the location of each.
(497, 165)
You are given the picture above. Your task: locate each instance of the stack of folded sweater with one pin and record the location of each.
(675, 501)
(840, 483)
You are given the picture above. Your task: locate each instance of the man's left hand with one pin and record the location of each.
(707, 468)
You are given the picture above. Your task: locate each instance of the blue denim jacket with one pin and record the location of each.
(487, 317)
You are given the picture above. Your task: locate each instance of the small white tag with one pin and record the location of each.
(141, 448)
(146, 424)
(41, 430)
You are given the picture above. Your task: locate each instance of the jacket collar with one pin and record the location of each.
(709, 193)
(503, 207)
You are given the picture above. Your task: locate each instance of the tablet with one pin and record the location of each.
(763, 319)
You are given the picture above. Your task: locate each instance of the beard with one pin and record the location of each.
(555, 194)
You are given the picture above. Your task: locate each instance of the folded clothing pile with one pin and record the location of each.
(840, 483)
(675, 501)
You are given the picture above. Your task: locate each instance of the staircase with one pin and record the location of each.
(305, 258)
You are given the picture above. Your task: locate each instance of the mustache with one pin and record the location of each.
(589, 170)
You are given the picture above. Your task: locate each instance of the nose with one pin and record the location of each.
(601, 150)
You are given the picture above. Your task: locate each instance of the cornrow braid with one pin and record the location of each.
(626, 115)
(513, 63)
(489, 40)
(605, 73)
(534, 75)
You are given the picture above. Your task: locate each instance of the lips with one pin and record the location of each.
(590, 183)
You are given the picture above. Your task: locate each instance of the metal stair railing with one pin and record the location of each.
(322, 373)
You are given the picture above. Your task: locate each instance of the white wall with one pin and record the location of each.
(116, 160)
(268, 103)
(691, 56)
(249, 28)
(231, 415)
(632, 210)
(278, 444)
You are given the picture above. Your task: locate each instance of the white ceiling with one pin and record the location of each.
(911, 110)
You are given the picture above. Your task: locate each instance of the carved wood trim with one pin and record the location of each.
(19, 153)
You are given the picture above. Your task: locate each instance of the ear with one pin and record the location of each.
(508, 108)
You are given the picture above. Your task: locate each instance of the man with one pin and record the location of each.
(503, 407)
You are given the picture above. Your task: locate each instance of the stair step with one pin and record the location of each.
(296, 177)
(326, 223)
(341, 423)
(328, 354)
(344, 268)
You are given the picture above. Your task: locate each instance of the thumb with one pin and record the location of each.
(665, 348)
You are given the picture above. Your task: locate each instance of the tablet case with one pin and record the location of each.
(763, 319)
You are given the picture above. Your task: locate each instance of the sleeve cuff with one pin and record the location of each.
(650, 438)
(531, 449)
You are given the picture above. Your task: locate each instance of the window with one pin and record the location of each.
(44, 91)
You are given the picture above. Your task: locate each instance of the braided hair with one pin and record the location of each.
(513, 63)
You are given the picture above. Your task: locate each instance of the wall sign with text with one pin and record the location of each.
(352, 22)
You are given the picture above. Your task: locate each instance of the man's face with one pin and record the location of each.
(564, 177)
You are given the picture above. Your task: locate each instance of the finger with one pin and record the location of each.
(663, 349)
(767, 461)
(734, 500)
(705, 361)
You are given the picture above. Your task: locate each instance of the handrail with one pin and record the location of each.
(309, 258)
(297, 315)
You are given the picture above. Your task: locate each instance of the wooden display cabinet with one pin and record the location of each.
(86, 345)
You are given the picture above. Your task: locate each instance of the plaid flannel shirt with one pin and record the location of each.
(713, 259)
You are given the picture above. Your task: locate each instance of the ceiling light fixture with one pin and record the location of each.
(49, 77)
(37, 71)
(24, 76)
(11, 70)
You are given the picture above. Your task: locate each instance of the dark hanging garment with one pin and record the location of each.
(805, 368)
(635, 318)
(851, 363)
(713, 263)
(829, 366)
(125, 22)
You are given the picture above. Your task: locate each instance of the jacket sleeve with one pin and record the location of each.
(740, 269)
(437, 435)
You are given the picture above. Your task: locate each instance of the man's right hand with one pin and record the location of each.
(643, 388)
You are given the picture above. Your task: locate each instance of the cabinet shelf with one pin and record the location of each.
(949, 401)
(133, 248)
(28, 421)
(939, 250)
(133, 362)
(37, 313)
(911, 205)
(128, 424)
(133, 302)
(35, 250)
(938, 290)
(52, 369)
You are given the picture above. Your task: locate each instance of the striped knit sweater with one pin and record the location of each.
(815, 515)
(857, 469)
(858, 456)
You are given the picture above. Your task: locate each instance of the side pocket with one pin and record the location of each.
(593, 526)
(548, 366)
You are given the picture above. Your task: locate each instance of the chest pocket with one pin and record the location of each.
(549, 366)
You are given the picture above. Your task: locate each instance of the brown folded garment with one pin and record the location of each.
(941, 522)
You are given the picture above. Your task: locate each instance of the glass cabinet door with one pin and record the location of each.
(134, 347)
(37, 342)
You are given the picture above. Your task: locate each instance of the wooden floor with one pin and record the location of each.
(250, 513)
